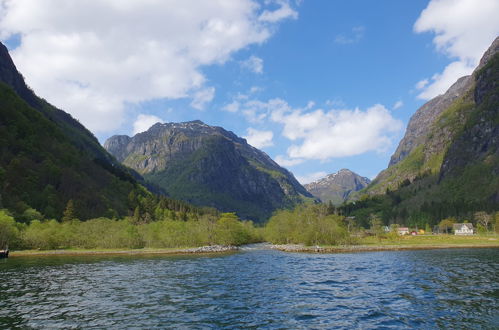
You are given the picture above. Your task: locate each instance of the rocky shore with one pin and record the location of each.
(196, 250)
(364, 248)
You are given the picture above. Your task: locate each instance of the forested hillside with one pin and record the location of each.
(47, 159)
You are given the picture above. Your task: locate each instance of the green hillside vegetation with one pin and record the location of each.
(455, 180)
(426, 159)
(214, 185)
(104, 233)
(41, 169)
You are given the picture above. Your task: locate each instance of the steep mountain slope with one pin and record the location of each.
(436, 126)
(337, 187)
(448, 163)
(48, 158)
(209, 166)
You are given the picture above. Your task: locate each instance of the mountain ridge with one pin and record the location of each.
(209, 166)
(337, 187)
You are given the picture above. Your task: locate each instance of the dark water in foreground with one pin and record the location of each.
(255, 289)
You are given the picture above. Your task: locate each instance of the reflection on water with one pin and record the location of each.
(254, 288)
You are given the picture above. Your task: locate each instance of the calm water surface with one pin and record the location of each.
(256, 288)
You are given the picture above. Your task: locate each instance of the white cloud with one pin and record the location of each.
(231, 107)
(283, 12)
(422, 84)
(286, 162)
(442, 81)
(203, 97)
(311, 177)
(91, 58)
(338, 133)
(399, 104)
(254, 64)
(144, 122)
(322, 135)
(259, 139)
(353, 37)
(463, 29)
(257, 111)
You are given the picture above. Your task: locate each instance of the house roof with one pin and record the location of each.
(460, 225)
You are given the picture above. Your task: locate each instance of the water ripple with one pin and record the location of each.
(256, 288)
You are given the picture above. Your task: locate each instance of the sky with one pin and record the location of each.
(319, 85)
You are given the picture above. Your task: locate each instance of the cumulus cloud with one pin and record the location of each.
(254, 64)
(322, 135)
(463, 29)
(259, 139)
(203, 97)
(284, 11)
(144, 122)
(91, 58)
(311, 177)
(353, 37)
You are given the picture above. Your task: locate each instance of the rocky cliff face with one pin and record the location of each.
(454, 139)
(421, 122)
(337, 187)
(478, 142)
(209, 166)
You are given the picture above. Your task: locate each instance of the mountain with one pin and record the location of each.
(448, 161)
(337, 187)
(48, 158)
(209, 166)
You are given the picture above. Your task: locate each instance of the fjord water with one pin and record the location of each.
(254, 288)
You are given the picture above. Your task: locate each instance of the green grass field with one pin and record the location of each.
(491, 239)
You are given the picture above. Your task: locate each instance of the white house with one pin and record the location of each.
(403, 231)
(463, 229)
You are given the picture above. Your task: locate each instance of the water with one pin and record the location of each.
(255, 288)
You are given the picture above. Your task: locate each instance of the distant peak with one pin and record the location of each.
(333, 176)
(197, 121)
(178, 125)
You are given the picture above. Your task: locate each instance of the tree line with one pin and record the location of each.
(105, 233)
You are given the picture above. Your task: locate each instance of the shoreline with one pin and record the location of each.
(216, 249)
(297, 248)
(126, 252)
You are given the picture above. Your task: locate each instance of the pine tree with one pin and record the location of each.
(136, 215)
(69, 212)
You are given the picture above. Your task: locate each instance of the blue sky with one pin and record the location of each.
(318, 85)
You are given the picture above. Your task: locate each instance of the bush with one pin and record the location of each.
(230, 231)
(9, 231)
(309, 225)
(104, 233)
